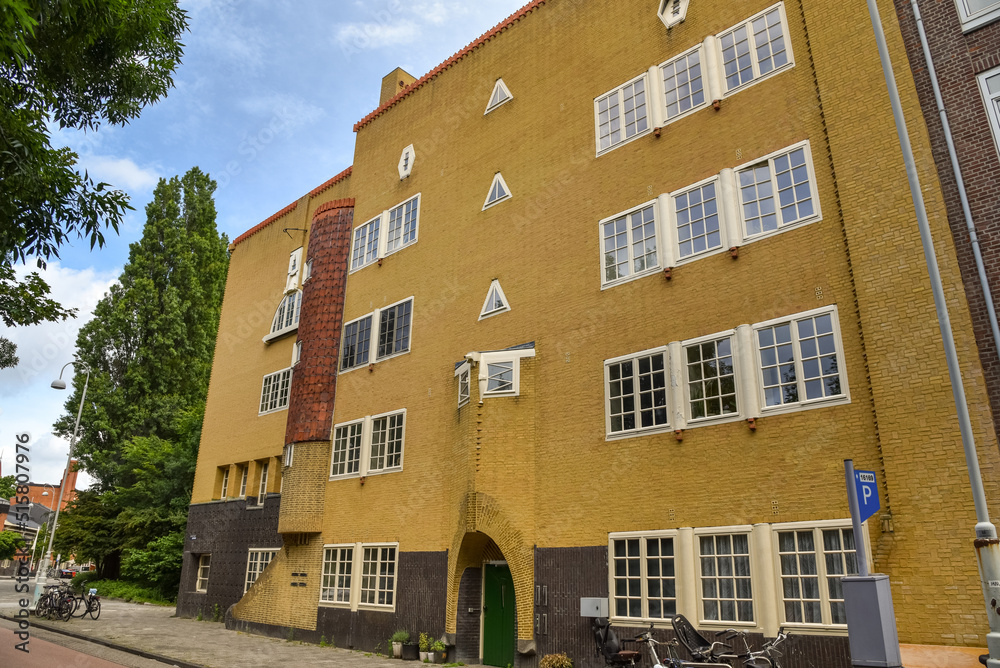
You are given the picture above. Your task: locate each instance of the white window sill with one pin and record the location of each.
(493, 313)
(389, 252)
(976, 23)
(379, 360)
(694, 257)
(335, 604)
(804, 406)
(763, 77)
(726, 624)
(281, 333)
(781, 229)
(500, 395)
(392, 355)
(709, 421)
(493, 204)
(817, 629)
(628, 279)
(351, 271)
(276, 410)
(631, 139)
(618, 435)
(376, 608)
(355, 476)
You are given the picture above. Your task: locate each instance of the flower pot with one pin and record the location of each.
(436, 657)
(410, 651)
(423, 656)
(449, 654)
(397, 650)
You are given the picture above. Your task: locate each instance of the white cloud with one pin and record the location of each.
(367, 35)
(289, 110)
(121, 173)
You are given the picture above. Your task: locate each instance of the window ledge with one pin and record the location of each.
(609, 149)
(334, 604)
(376, 608)
(628, 279)
(977, 23)
(765, 411)
(781, 229)
(617, 436)
(708, 422)
(280, 334)
(276, 410)
(764, 77)
(356, 476)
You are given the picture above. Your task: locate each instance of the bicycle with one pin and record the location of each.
(714, 654)
(57, 602)
(91, 604)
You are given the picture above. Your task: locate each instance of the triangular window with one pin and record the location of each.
(496, 301)
(498, 192)
(499, 95)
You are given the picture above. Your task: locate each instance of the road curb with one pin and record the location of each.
(107, 643)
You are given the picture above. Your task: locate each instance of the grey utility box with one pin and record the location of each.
(593, 607)
(871, 622)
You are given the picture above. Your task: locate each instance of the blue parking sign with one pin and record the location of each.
(868, 503)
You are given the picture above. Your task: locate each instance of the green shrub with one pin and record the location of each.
(128, 591)
(425, 642)
(438, 646)
(83, 581)
(402, 635)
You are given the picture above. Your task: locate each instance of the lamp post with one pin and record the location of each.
(60, 384)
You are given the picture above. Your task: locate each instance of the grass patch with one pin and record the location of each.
(128, 591)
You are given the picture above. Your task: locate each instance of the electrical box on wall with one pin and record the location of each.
(593, 607)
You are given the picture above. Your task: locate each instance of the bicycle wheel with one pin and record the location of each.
(95, 609)
(79, 606)
(42, 607)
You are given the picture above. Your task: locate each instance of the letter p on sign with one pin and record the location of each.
(868, 503)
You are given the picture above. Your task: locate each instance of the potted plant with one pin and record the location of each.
(410, 651)
(556, 661)
(438, 652)
(398, 638)
(425, 642)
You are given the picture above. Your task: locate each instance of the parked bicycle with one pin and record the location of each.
(89, 605)
(57, 602)
(706, 653)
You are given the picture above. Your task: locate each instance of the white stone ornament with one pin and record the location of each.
(406, 162)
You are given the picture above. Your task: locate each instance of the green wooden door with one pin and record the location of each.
(498, 616)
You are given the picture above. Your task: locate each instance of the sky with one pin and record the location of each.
(265, 100)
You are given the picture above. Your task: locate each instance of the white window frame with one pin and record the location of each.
(668, 205)
(464, 374)
(282, 398)
(385, 251)
(254, 566)
(288, 455)
(658, 236)
(755, 581)
(991, 100)
(513, 357)
(365, 451)
(757, 76)
(294, 270)
(203, 573)
(296, 353)
(365, 230)
(972, 20)
(803, 404)
(617, 91)
(262, 487)
(709, 91)
(307, 270)
(499, 85)
(817, 213)
(642, 536)
(487, 311)
(351, 575)
(225, 484)
(737, 353)
(279, 324)
(638, 430)
(382, 219)
(497, 178)
(817, 529)
(406, 160)
(374, 335)
(357, 575)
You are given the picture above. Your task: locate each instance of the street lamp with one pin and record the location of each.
(60, 384)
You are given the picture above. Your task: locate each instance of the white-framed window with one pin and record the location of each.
(643, 575)
(685, 87)
(498, 192)
(374, 586)
(307, 271)
(500, 95)
(286, 317)
(755, 48)
(225, 483)
(672, 12)
(800, 360)
(275, 390)
(296, 353)
(977, 13)
(697, 219)
(388, 232)
(989, 86)
(257, 561)
(294, 267)
(262, 489)
(402, 228)
(622, 114)
(338, 567)
(373, 444)
(496, 301)
(725, 578)
(811, 561)
(629, 244)
(364, 249)
(244, 471)
(288, 455)
(392, 325)
(636, 393)
(710, 374)
(777, 191)
(464, 374)
(204, 565)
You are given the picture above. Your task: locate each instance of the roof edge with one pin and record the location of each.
(328, 184)
(472, 46)
(345, 203)
(260, 226)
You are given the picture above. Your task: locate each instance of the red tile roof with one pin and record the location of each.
(257, 228)
(485, 37)
(345, 203)
(337, 179)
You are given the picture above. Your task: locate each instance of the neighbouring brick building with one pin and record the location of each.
(963, 39)
(599, 310)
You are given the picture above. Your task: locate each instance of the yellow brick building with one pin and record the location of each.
(612, 338)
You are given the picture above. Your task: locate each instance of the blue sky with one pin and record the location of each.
(265, 101)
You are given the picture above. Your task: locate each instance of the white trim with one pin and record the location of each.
(291, 299)
(610, 435)
(374, 332)
(757, 76)
(350, 603)
(705, 78)
(464, 369)
(489, 313)
(384, 243)
(395, 576)
(991, 100)
(498, 177)
(684, 392)
(973, 20)
(288, 455)
(617, 90)
(643, 575)
(199, 585)
(294, 270)
(365, 447)
(496, 357)
(817, 214)
(503, 87)
(721, 210)
(354, 233)
(282, 399)
(258, 550)
(657, 222)
(666, 7)
(406, 159)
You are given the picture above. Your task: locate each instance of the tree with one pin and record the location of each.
(77, 64)
(10, 543)
(86, 529)
(8, 485)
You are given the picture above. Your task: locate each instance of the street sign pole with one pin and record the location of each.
(852, 500)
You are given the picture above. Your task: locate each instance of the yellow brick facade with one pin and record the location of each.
(536, 471)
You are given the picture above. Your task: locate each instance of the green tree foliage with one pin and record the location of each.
(76, 64)
(10, 542)
(87, 529)
(149, 348)
(8, 485)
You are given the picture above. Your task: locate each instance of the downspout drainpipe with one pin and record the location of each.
(960, 182)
